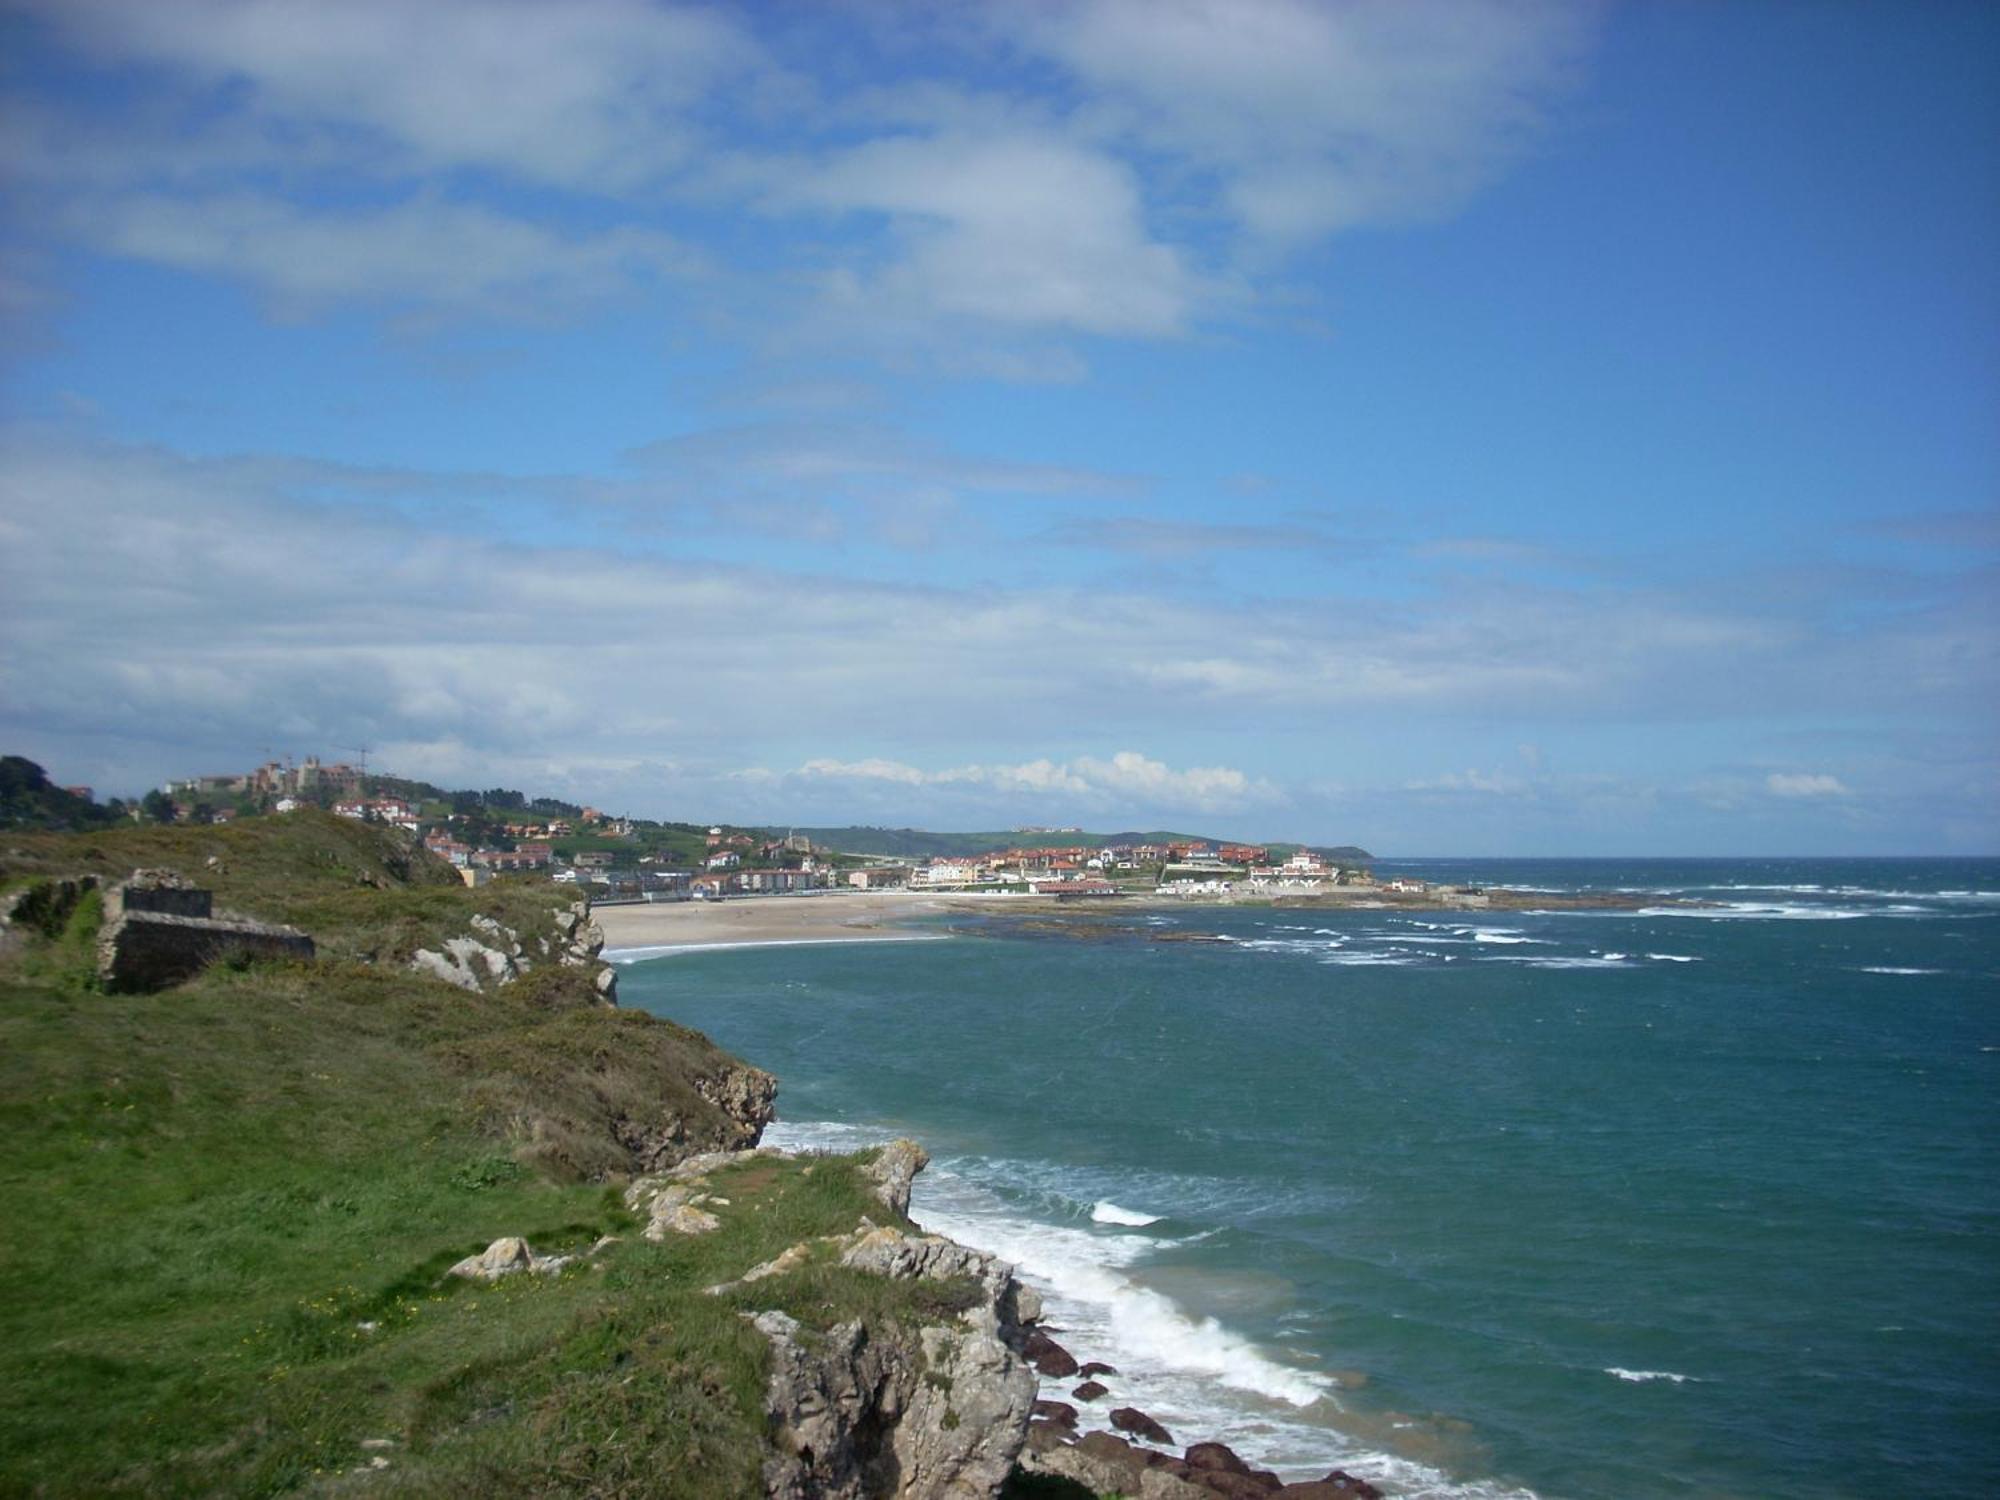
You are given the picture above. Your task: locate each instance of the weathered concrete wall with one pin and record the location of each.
(145, 950)
(168, 901)
(164, 891)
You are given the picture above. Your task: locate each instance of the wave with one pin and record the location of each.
(1204, 1380)
(1104, 1211)
(1642, 1376)
(1674, 958)
(1888, 969)
(1554, 961)
(1755, 910)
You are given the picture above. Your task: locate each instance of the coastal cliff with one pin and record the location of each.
(389, 1218)
(407, 1207)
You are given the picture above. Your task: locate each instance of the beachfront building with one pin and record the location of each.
(880, 878)
(950, 872)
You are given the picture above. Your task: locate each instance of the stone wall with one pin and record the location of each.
(145, 950)
(158, 891)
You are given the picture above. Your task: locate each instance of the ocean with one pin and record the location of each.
(1569, 1205)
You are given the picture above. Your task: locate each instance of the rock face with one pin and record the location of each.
(935, 1413)
(895, 1166)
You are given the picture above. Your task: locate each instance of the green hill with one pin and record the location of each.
(916, 843)
(229, 1206)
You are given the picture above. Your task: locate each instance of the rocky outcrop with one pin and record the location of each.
(1107, 1465)
(678, 1201)
(938, 1412)
(895, 1166)
(496, 956)
(505, 1257)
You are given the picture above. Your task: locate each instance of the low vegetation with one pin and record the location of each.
(230, 1208)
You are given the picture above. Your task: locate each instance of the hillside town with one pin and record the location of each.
(620, 859)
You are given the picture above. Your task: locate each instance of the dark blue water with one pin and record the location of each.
(1618, 1205)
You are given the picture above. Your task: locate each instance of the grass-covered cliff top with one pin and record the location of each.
(229, 1207)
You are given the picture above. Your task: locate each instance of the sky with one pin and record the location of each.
(1452, 428)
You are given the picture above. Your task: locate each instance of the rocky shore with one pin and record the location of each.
(1107, 1464)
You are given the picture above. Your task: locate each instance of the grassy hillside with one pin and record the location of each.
(229, 1207)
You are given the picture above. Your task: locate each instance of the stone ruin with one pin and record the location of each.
(160, 930)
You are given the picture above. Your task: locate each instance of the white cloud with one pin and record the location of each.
(923, 219)
(1313, 117)
(161, 611)
(437, 256)
(581, 94)
(1126, 780)
(1489, 783)
(1030, 230)
(1804, 784)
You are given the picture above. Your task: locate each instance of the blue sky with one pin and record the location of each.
(1448, 427)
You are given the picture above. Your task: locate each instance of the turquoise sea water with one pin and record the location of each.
(1598, 1206)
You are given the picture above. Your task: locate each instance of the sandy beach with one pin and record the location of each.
(746, 921)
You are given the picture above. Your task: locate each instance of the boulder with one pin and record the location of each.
(1059, 1412)
(1131, 1419)
(1090, 1390)
(504, 1257)
(1216, 1456)
(1048, 1357)
(1095, 1368)
(1042, 1436)
(1027, 1303)
(1257, 1485)
(1339, 1485)
(501, 1258)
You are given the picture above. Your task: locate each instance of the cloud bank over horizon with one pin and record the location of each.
(1271, 415)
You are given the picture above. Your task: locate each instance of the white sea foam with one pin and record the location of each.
(1756, 910)
(1557, 961)
(672, 950)
(1642, 1376)
(1194, 1374)
(1104, 1211)
(1888, 969)
(1501, 935)
(1674, 958)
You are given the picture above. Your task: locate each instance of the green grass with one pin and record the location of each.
(208, 1192)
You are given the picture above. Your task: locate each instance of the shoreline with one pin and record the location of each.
(642, 930)
(663, 928)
